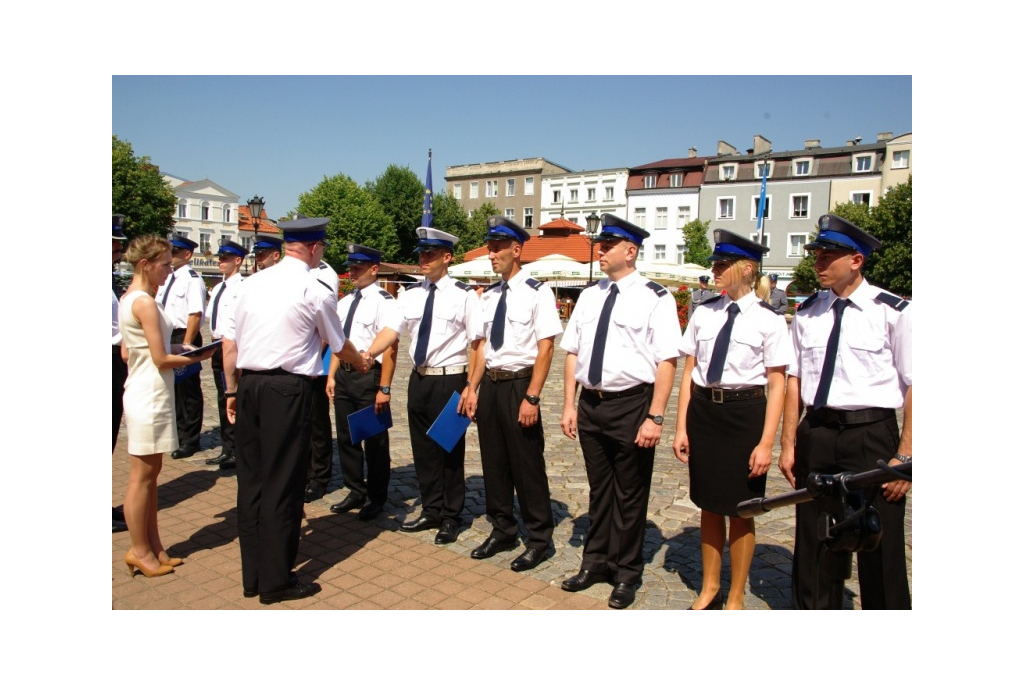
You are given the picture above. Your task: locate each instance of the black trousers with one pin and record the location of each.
(188, 398)
(321, 449)
(119, 374)
(227, 429)
(818, 574)
(441, 475)
(272, 452)
(354, 391)
(512, 458)
(619, 473)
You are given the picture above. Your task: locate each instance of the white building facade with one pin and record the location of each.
(576, 195)
(206, 213)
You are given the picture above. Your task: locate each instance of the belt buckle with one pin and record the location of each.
(492, 374)
(717, 395)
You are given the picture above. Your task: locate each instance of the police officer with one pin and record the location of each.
(321, 446)
(777, 299)
(266, 249)
(621, 345)
(118, 367)
(271, 356)
(183, 297)
(441, 316)
(229, 263)
(700, 296)
(365, 313)
(852, 343)
(520, 322)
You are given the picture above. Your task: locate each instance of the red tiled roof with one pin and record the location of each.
(675, 163)
(245, 221)
(561, 223)
(692, 178)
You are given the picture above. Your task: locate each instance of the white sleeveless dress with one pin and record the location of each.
(148, 392)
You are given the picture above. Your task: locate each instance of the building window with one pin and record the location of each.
(528, 190)
(901, 159)
(760, 167)
(182, 210)
(796, 242)
(558, 196)
(574, 195)
(764, 241)
(591, 194)
(860, 198)
(862, 163)
(640, 217)
(800, 208)
(204, 242)
(474, 190)
(205, 211)
(510, 214)
(727, 172)
(650, 180)
(640, 254)
(492, 189)
(802, 167)
(675, 181)
(247, 243)
(573, 220)
(659, 253)
(227, 214)
(457, 191)
(680, 253)
(726, 206)
(661, 218)
(754, 200)
(510, 187)
(609, 193)
(528, 217)
(684, 216)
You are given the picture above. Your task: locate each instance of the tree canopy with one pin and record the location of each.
(450, 217)
(400, 193)
(476, 229)
(698, 248)
(139, 191)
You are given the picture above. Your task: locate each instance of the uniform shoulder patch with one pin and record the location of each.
(193, 274)
(323, 284)
(894, 301)
(533, 283)
(386, 295)
(463, 286)
(493, 286)
(716, 298)
(807, 303)
(769, 307)
(658, 289)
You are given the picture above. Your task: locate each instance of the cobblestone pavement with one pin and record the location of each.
(374, 565)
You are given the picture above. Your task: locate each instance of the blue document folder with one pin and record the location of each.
(325, 359)
(367, 423)
(449, 426)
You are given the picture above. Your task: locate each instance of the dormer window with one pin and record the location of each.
(862, 163)
(759, 169)
(727, 172)
(802, 167)
(650, 180)
(675, 181)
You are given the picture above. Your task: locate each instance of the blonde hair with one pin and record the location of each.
(764, 288)
(148, 247)
(737, 268)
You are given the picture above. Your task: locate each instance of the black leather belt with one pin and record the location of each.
(849, 417)
(499, 375)
(718, 395)
(274, 372)
(348, 367)
(605, 395)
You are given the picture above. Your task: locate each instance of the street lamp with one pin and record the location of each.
(593, 223)
(255, 210)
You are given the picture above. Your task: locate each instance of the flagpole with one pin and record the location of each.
(428, 196)
(762, 200)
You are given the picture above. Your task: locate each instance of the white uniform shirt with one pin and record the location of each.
(115, 328)
(225, 305)
(456, 320)
(873, 364)
(280, 316)
(377, 310)
(530, 315)
(759, 340)
(327, 275)
(187, 296)
(643, 332)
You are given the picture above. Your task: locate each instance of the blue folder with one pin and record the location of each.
(367, 423)
(449, 426)
(325, 359)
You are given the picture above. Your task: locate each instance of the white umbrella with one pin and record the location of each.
(475, 268)
(555, 266)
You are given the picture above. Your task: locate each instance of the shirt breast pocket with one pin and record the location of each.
(519, 324)
(747, 351)
(869, 352)
(631, 326)
(705, 344)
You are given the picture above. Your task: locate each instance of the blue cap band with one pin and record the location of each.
(739, 252)
(227, 249)
(503, 233)
(843, 239)
(614, 233)
(304, 236)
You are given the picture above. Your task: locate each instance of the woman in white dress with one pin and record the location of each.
(148, 399)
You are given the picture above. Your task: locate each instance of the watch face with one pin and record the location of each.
(386, 389)
(658, 419)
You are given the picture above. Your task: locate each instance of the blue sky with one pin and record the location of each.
(278, 136)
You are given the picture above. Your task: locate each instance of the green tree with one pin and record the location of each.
(698, 248)
(139, 191)
(356, 217)
(450, 217)
(400, 193)
(891, 267)
(805, 278)
(476, 229)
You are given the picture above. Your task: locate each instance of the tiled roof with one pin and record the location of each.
(674, 163)
(245, 221)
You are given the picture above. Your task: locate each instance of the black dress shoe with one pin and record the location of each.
(228, 463)
(583, 580)
(117, 513)
(370, 512)
(348, 504)
(531, 558)
(297, 590)
(422, 523)
(314, 491)
(448, 534)
(492, 546)
(715, 603)
(119, 526)
(220, 459)
(252, 592)
(184, 451)
(622, 596)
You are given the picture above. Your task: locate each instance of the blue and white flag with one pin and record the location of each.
(428, 197)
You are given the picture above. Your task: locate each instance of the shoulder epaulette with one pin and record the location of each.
(323, 265)
(769, 307)
(463, 286)
(894, 301)
(323, 284)
(533, 283)
(493, 286)
(386, 295)
(658, 289)
(193, 273)
(716, 298)
(808, 301)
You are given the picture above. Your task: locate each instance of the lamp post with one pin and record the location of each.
(593, 223)
(255, 210)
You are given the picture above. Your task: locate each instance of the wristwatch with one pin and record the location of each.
(533, 399)
(658, 420)
(386, 389)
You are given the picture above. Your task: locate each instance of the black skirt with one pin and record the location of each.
(722, 436)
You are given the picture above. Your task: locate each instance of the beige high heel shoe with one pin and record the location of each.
(133, 563)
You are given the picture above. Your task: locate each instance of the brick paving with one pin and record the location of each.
(372, 565)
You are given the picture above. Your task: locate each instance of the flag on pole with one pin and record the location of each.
(762, 202)
(428, 197)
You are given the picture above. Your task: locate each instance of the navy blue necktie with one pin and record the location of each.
(717, 365)
(167, 291)
(498, 327)
(216, 302)
(831, 349)
(423, 335)
(601, 337)
(351, 313)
